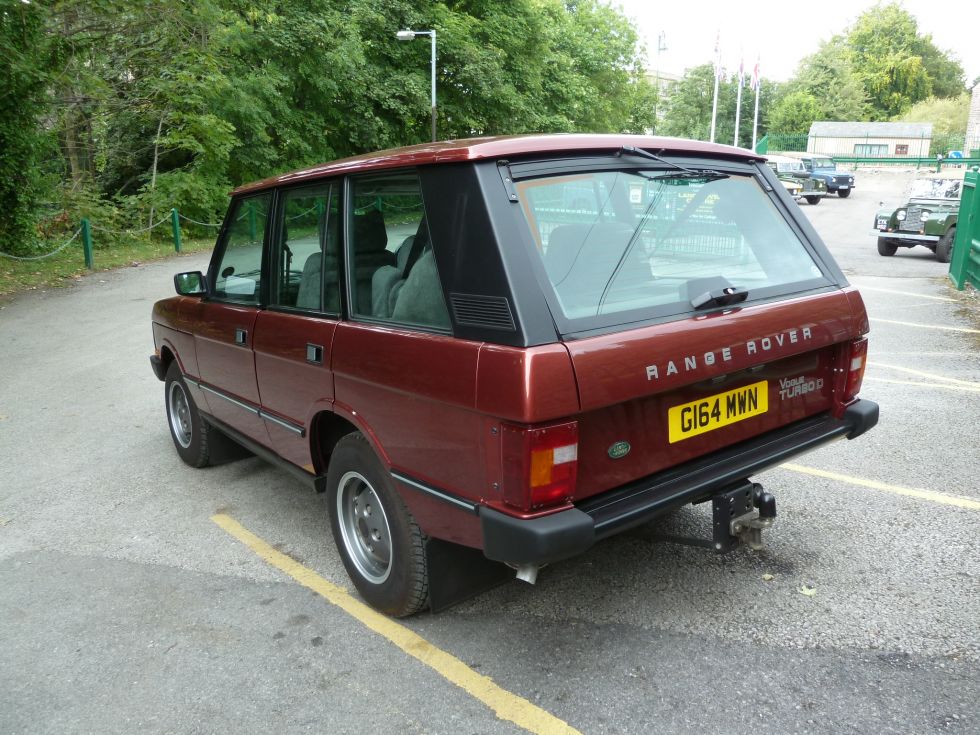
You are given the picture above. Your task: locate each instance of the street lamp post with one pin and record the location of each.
(409, 35)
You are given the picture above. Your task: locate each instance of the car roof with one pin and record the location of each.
(955, 175)
(782, 159)
(475, 149)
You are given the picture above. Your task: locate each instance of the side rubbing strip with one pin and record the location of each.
(264, 415)
(466, 505)
(216, 392)
(284, 424)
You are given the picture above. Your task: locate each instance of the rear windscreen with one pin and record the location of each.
(643, 243)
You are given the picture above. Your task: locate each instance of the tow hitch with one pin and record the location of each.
(740, 515)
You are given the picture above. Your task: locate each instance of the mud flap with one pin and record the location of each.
(222, 448)
(457, 573)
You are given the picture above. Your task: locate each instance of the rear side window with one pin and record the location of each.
(393, 274)
(647, 246)
(238, 276)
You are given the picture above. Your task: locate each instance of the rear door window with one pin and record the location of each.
(652, 241)
(307, 252)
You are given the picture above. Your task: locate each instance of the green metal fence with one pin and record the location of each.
(965, 264)
(921, 152)
(870, 146)
(86, 228)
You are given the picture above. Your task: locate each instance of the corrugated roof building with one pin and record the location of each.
(870, 139)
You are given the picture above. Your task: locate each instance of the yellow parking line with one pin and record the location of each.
(905, 293)
(505, 705)
(941, 386)
(931, 376)
(912, 492)
(928, 326)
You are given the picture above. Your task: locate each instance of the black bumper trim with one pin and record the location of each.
(569, 532)
(157, 364)
(538, 540)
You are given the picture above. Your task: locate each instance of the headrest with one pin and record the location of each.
(370, 235)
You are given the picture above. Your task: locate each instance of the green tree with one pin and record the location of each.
(795, 112)
(23, 143)
(829, 77)
(948, 116)
(688, 107)
(156, 104)
(897, 66)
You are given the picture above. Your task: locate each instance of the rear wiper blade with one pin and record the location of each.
(685, 172)
(721, 297)
(703, 175)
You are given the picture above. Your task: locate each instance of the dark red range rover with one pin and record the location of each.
(498, 351)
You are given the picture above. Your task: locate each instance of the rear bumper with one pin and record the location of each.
(570, 532)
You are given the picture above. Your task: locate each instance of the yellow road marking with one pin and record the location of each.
(912, 492)
(505, 705)
(928, 326)
(931, 376)
(905, 293)
(941, 386)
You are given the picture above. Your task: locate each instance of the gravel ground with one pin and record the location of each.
(124, 607)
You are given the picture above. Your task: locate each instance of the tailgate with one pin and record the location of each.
(658, 396)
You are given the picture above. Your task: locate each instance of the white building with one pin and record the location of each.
(870, 139)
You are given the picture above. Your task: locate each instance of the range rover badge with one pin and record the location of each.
(619, 450)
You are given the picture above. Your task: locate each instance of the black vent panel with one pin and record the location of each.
(489, 312)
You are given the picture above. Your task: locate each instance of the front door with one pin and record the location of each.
(226, 319)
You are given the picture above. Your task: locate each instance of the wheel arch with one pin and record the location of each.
(329, 427)
(167, 356)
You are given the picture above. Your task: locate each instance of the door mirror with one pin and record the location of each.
(191, 283)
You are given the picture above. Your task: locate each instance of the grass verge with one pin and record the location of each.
(69, 265)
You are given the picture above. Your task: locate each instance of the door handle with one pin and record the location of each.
(314, 353)
(240, 336)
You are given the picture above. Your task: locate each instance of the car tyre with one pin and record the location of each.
(944, 248)
(188, 429)
(843, 193)
(380, 544)
(885, 247)
(814, 200)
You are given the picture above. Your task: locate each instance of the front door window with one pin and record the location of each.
(238, 276)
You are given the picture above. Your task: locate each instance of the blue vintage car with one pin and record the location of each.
(823, 168)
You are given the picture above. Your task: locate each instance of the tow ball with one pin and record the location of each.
(740, 515)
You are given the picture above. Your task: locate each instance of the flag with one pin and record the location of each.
(741, 72)
(756, 79)
(719, 72)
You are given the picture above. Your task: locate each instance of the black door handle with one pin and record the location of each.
(240, 336)
(314, 353)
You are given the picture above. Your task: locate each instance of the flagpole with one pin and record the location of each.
(757, 83)
(714, 104)
(738, 99)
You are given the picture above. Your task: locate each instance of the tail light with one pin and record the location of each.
(857, 360)
(540, 465)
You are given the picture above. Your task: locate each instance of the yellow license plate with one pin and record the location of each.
(708, 414)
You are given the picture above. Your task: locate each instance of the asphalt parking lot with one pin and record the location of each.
(133, 597)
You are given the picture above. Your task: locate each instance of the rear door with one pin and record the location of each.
(695, 311)
(294, 336)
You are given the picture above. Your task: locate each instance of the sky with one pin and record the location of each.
(782, 33)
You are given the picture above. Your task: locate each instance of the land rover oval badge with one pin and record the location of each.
(619, 450)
